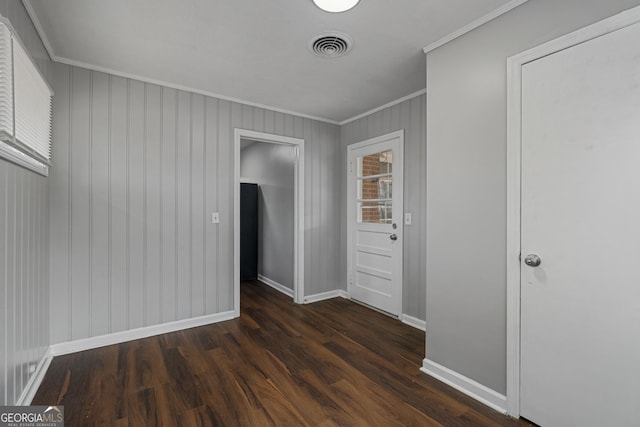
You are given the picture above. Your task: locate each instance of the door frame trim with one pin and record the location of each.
(298, 202)
(514, 158)
(392, 135)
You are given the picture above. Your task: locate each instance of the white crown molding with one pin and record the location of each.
(47, 44)
(475, 24)
(382, 107)
(469, 27)
(188, 89)
(38, 25)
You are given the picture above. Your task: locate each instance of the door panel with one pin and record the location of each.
(365, 256)
(375, 222)
(580, 308)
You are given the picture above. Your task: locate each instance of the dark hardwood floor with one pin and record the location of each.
(332, 363)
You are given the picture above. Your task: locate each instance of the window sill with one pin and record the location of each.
(17, 157)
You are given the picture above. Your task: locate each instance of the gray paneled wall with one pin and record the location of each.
(410, 116)
(139, 168)
(24, 257)
(24, 287)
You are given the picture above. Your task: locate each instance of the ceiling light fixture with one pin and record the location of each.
(336, 5)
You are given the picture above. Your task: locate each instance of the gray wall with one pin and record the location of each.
(24, 285)
(466, 182)
(24, 258)
(139, 169)
(273, 167)
(410, 116)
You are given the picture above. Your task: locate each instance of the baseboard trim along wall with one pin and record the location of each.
(466, 385)
(275, 285)
(34, 382)
(414, 322)
(116, 338)
(134, 334)
(338, 293)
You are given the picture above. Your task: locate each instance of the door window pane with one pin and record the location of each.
(375, 164)
(375, 188)
(377, 212)
(374, 195)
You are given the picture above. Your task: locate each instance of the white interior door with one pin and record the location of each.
(580, 308)
(375, 171)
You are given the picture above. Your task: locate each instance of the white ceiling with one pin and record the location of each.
(256, 50)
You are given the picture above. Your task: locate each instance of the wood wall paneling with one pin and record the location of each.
(409, 115)
(168, 274)
(99, 204)
(24, 259)
(142, 168)
(24, 247)
(152, 205)
(199, 221)
(125, 239)
(211, 156)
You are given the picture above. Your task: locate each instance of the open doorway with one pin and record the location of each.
(250, 140)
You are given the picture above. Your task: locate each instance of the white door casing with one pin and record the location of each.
(298, 245)
(573, 321)
(374, 221)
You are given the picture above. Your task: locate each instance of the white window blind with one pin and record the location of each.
(25, 103)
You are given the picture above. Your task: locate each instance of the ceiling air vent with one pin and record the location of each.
(330, 45)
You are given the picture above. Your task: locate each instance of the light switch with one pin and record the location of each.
(215, 217)
(407, 219)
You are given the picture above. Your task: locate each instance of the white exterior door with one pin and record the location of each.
(580, 217)
(375, 209)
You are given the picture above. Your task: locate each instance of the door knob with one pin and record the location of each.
(532, 260)
(394, 236)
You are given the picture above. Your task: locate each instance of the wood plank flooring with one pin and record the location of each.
(332, 363)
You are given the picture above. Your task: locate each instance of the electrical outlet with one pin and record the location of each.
(407, 219)
(215, 217)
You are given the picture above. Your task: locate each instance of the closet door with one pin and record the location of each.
(580, 318)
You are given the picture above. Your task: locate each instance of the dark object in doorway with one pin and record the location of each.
(248, 231)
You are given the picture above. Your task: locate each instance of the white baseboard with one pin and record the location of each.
(466, 385)
(325, 295)
(34, 382)
(275, 285)
(413, 321)
(134, 334)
